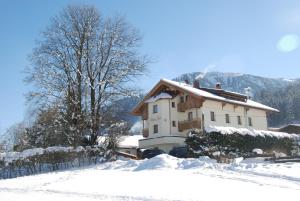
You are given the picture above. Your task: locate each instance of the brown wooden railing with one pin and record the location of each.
(184, 125)
(145, 132)
(190, 103)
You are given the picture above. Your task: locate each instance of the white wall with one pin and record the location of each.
(259, 118)
(161, 118)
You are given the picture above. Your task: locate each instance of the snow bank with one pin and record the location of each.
(163, 161)
(252, 132)
(205, 181)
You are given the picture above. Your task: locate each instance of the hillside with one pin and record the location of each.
(237, 82)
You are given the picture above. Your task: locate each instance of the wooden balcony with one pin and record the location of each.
(145, 132)
(189, 104)
(185, 125)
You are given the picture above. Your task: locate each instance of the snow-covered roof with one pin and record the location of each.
(245, 131)
(162, 95)
(199, 92)
(131, 141)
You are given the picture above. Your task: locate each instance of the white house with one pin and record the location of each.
(172, 108)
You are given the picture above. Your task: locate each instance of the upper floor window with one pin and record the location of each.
(250, 121)
(181, 99)
(186, 97)
(227, 118)
(155, 109)
(155, 128)
(212, 116)
(174, 123)
(173, 104)
(239, 120)
(190, 116)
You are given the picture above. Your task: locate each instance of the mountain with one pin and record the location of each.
(287, 100)
(236, 82)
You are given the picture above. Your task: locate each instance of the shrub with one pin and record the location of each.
(235, 144)
(31, 161)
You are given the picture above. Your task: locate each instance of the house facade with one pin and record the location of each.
(171, 109)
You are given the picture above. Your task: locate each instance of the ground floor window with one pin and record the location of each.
(239, 120)
(250, 121)
(227, 118)
(212, 116)
(155, 128)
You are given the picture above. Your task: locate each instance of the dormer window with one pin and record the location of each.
(155, 109)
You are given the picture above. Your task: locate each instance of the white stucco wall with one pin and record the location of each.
(161, 118)
(259, 118)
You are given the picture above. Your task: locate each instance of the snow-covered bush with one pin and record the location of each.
(31, 161)
(236, 145)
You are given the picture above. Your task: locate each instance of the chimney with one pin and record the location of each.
(218, 85)
(196, 84)
(186, 81)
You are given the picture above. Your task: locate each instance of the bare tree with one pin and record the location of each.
(83, 62)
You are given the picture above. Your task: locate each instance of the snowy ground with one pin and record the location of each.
(161, 178)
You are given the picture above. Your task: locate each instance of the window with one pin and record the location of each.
(186, 97)
(239, 120)
(155, 109)
(155, 128)
(173, 104)
(250, 121)
(227, 118)
(190, 116)
(181, 99)
(212, 116)
(174, 123)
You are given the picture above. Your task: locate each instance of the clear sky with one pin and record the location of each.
(259, 37)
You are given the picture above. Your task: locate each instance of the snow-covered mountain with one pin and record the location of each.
(236, 82)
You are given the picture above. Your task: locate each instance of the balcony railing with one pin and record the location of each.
(184, 125)
(190, 103)
(146, 132)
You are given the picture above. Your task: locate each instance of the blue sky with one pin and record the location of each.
(256, 37)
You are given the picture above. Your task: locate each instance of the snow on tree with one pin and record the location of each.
(82, 63)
